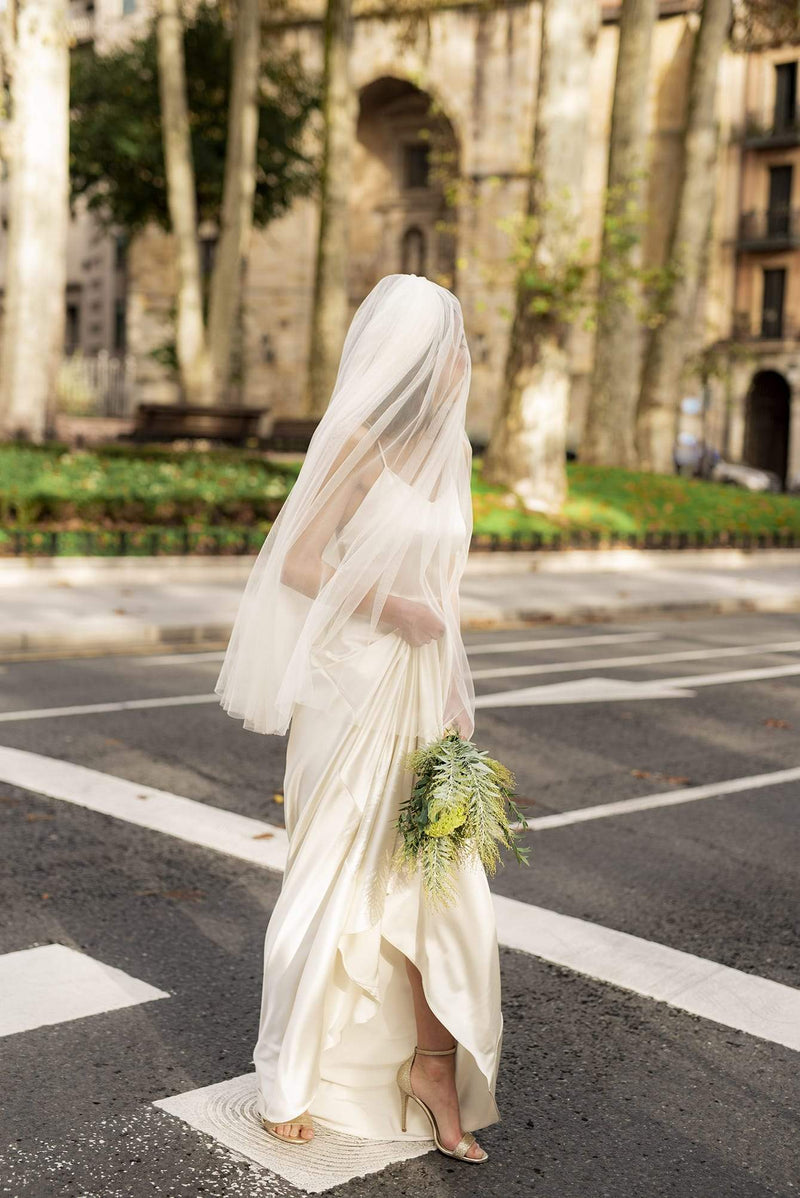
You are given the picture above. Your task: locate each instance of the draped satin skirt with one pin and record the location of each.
(337, 1014)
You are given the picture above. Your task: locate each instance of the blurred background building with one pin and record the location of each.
(455, 83)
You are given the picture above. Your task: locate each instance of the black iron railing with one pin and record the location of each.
(759, 134)
(234, 542)
(777, 328)
(769, 229)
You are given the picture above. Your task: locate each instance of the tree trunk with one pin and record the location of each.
(194, 361)
(527, 451)
(36, 255)
(238, 191)
(657, 412)
(330, 303)
(608, 438)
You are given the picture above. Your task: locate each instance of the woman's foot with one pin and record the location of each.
(434, 1080)
(294, 1131)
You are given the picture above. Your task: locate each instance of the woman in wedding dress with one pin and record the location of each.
(380, 1017)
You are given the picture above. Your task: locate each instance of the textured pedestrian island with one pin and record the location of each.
(53, 983)
(227, 1111)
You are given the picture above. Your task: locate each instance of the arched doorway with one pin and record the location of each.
(766, 428)
(400, 219)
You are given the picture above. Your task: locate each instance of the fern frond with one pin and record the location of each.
(458, 811)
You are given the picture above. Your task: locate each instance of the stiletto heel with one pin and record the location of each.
(407, 1091)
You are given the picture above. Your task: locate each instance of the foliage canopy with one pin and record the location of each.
(116, 154)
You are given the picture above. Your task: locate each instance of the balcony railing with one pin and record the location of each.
(772, 229)
(780, 329)
(759, 134)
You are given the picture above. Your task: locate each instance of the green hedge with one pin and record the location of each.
(158, 496)
(109, 487)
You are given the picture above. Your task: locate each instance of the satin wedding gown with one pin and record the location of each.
(337, 1015)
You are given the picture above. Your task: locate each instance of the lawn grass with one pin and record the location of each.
(629, 502)
(153, 490)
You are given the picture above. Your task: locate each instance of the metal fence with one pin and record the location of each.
(227, 540)
(96, 385)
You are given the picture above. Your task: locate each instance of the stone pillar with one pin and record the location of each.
(793, 463)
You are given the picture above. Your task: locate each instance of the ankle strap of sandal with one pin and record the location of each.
(437, 1052)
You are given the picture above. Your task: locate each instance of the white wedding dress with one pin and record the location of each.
(337, 1017)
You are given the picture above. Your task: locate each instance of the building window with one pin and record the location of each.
(785, 96)
(772, 304)
(413, 252)
(72, 332)
(120, 251)
(415, 164)
(119, 326)
(780, 199)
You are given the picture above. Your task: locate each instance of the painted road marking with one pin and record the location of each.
(673, 798)
(644, 659)
(615, 690)
(199, 823)
(53, 984)
(48, 713)
(564, 642)
(227, 1111)
(587, 690)
(738, 1000)
(582, 690)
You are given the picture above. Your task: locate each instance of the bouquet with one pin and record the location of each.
(458, 812)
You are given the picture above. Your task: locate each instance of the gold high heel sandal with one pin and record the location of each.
(404, 1082)
(304, 1120)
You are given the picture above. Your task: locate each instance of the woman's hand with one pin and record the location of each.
(417, 623)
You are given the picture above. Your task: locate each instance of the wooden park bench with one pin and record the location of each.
(290, 434)
(173, 422)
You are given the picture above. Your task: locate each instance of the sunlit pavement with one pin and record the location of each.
(649, 953)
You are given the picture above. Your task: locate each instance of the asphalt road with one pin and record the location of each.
(603, 1089)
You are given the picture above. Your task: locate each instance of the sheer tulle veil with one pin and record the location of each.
(378, 522)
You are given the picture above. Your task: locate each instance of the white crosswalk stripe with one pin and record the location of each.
(53, 983)
(265, 845)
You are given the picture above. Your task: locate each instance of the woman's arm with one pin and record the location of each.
(305, 571)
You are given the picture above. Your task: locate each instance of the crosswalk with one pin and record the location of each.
(46, 984)
(53, 983)
(768, 1009)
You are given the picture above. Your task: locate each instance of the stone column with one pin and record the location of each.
(793, 464)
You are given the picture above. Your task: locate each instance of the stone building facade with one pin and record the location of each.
(460, 76)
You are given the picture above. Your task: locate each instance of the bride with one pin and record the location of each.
(380, 1017)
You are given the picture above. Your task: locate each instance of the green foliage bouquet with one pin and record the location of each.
(458, 811)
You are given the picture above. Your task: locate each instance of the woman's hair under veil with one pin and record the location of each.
(355, 538)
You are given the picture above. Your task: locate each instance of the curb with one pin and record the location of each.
(148, 638)
(86, 571)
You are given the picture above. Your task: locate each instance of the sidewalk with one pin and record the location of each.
(69, 606)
